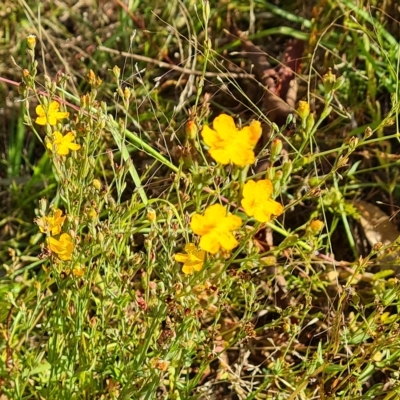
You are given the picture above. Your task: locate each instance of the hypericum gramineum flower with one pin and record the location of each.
(230, 145)
(51, 116)
(63, 247)
(51, 225)
(63, 144)
(215, 228)
(192, 261)
(257, 200)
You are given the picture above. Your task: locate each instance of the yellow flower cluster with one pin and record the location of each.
(51, 226)
(60, 144)
(216, 227)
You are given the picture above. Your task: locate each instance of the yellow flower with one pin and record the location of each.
(315, 226)
(51, 116)
(228, 144)
(192, 261)
(215, 227)
(303, 110)
(63, 144)
(51, 225)
(31, 41)
(62, 247)
(257, 200)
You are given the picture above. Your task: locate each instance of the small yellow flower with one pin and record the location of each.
(215, 228)
(31, 41)
(51, 225)
(62, 247)
(257, 200)
(303, 110)
(151, 215)
(63, 144)
(78, 271)
(51, 116)
(228, 144)
(315, 226)
(192, 261)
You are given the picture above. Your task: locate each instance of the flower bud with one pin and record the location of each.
(329, 80)
(206, 10)
(117, 72)
(191, 130)
(287, 168)
(97, 184)
(92, 214)
(310, 122)
(303, 110)
(127, 93)
(91, 77)
(276, 148)
(316, 227)
(368, 133)
(31, 42)
(151, 215)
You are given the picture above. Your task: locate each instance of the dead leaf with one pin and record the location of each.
(378, 228)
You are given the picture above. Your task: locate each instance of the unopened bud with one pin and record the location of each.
(303, 110)
(191, 130)
(206, 10)
(353, 143)
(329, 80)
(97, 184)
(368, 133)
(151, 215)
(276, 148)
(117, 72)
(310, 122)
(127, 93)
(91, 77)
(92, 214)
(287, 168)
(315, 227)
(31, 42)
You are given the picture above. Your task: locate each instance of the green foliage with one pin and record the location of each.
(302, 306)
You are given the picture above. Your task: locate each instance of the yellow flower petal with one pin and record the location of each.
(210, 137)
(62, 247)
(53, 107)
(252, 133)
(180, 257)
(210, 243)
(264, 189)
(249, 188)
(227, 241)
(230, 223)
(215, 212)
(274, 207)
(225, 126)
(241, 155)
(187, 270)
(190, 248)
(220, 156)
